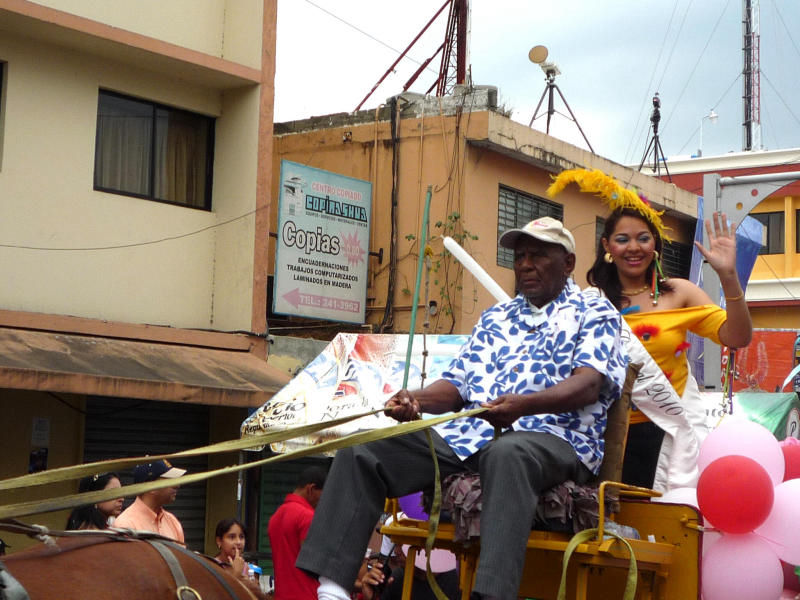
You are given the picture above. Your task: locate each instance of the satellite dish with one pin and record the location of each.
(538, 54)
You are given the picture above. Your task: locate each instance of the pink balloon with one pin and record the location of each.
(780, 528)
(741, 567)
(791, 454)
(745, 438)
(710, 537)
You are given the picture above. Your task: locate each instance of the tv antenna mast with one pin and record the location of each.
(538, 56)
(752, 75)
(454, 64)
(654, 143)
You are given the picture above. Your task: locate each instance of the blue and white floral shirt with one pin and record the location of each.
(514, 349)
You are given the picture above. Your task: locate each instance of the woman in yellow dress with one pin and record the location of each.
(660, 311)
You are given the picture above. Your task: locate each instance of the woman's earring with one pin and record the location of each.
(658, 277)
(608, 258)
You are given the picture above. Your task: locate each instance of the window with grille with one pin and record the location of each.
(599, 226)
(516, 209)
(151, 151)
(676, 260)
(772, 237)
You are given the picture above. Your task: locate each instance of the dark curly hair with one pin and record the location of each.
(604, 275)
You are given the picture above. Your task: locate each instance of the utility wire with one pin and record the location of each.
(717, 103)
(675, 44)
(777, 93)
(132, 244)
(788, 31)
(650, 83)
(369, 35)
(696, 64)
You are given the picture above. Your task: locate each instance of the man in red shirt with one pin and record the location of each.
(287, 529)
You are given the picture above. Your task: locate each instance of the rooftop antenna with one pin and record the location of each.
(654, 143)
(454, 66)
(538, 56)
(752, 75)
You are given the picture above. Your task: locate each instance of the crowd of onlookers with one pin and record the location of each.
(381, 574)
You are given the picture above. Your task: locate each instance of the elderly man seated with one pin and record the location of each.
(546, 365)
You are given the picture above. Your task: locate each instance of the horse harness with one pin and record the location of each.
(184, 591)
(12, 589)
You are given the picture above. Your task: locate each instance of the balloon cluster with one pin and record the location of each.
(744, 492)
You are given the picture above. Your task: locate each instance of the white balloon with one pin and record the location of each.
(682, 495)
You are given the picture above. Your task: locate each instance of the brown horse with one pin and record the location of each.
(100, 565)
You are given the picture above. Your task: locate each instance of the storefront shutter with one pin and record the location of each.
(118, 428)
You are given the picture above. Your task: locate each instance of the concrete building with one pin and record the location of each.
(135, 177)
(487, 172)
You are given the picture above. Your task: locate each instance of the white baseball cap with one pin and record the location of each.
(545, 229)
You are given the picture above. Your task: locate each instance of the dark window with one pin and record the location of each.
(772, 238)
(599, 226)
(677, 259)
(151, 151)
(797, 231)
(2, 107)
(517, 209)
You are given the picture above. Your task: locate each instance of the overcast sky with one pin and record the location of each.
(613, 55)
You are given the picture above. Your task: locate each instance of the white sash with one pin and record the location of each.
(682, 419)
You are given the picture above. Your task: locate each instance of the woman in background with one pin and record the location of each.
(102, 514)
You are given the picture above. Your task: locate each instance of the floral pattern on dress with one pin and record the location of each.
(511, 350)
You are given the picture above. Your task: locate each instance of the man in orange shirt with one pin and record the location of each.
(147, 512)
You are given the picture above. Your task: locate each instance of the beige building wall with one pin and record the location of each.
(141, 261)
(228, 29)
(116, 260)
(64, 445)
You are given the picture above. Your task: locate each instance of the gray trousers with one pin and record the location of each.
(514, 469)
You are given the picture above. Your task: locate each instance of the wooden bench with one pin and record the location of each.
(667, 557)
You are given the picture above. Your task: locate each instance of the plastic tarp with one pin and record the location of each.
(354, 374)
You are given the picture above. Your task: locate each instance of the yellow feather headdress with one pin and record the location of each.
(611, 191)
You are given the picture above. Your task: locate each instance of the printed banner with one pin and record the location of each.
(764, 363)
(778, 412)
(323, 245)
(354, 374)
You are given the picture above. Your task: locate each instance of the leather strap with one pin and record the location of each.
(183, 591)
(204, 562)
